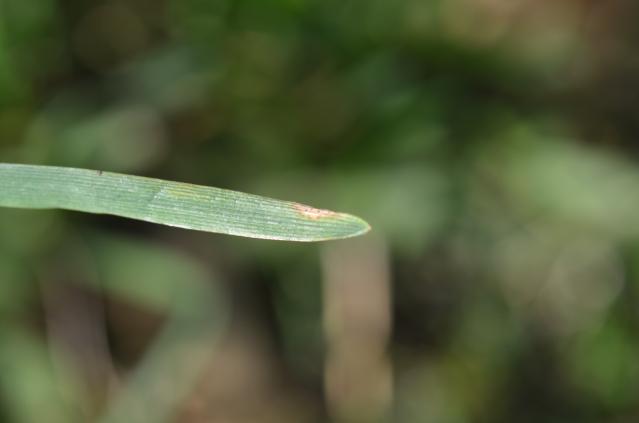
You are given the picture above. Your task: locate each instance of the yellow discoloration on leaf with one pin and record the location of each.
(313, 213)
(182, 191)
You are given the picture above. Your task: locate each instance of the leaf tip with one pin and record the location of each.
(351, 225)
(366, 227)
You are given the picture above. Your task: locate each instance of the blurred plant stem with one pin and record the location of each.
(357, 322)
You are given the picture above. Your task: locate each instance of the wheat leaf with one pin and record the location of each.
(171, 203)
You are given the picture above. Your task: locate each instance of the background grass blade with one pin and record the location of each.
(171, 203)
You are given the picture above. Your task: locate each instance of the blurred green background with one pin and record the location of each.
(490, 143)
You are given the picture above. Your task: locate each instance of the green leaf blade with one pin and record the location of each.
(170, 203)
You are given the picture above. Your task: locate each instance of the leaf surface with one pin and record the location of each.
(171, 203)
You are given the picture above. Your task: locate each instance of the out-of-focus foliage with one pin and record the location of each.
(490, 144)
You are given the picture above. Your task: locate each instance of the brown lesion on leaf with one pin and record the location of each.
(313, 213)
